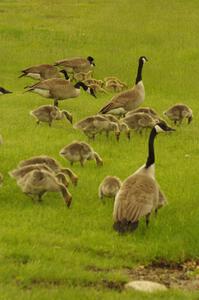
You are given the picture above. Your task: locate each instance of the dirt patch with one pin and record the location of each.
(173, 275)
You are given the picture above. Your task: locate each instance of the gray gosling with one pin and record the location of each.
(93, 125)
(77, 64)
(139, 194)
(148, 110)
(179, 112)
(42, 72)
(38, 182)
(130, 99)
(80, 151)
(94, 81)
(22, 171)
(52, 164)
(123, 127)
(49, 113)
(81, 76)
(109, 187)
(138, 121)
(59, 89)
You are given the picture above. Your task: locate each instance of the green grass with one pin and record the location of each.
(47, 251)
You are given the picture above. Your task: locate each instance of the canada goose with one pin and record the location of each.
(77, 64)
(178, 112)
(59, 89)
(48, 113)
(148, 110)
(130, 99)
(93, 125)
(38, 182)
(139, 193)
(42, 72)
(123, 127)
(22, 171)
(80, 151)
(4, 91)
(81, 76)
(138, 121)
(52, 164)
(109, 187)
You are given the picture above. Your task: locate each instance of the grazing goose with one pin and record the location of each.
(178, 112)
(138, 121)
(59, 89)
(38, 182)
(42, 72)
(77, 64)
(48, 113)
(22, 171)
(4, 91)
(109, 187)
(80, 151)
(94, 81)
(147, 110)
(52, 164)
(139, 193)
(123, 127)
(128, 100)
(93, 125)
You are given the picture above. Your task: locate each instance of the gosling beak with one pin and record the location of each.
(68, 201)
(170, 129)
(189, 120)
(70, 119)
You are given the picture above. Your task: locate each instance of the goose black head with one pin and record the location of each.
(91, 60)
(143, 59)
(65, 74)
(162, 127)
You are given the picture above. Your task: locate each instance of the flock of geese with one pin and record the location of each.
(138, 195)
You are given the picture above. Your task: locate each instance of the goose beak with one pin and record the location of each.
(92, 93)
(170, 129)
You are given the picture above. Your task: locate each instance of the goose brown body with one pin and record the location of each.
(41, 72)
(80, 152)
(76, 64)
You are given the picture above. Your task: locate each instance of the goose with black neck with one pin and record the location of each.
(59, 89)
(128, 100)
(139, 194)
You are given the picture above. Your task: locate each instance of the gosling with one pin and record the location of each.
(179, 112)
(49, 113)
(109, 187)
(138, 121)
(80, 151)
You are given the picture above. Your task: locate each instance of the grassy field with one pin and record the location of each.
(48, 251)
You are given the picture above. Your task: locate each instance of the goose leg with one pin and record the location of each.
(147, 220)
(56, 102)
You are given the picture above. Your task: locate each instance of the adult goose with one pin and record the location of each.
(77, 64)
(139, 193)
(130, 99)
(42, 72)
(59, 89)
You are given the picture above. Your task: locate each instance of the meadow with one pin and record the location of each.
(48, 251)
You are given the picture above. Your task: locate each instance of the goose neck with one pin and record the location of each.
(151, 154)
(139, 72)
